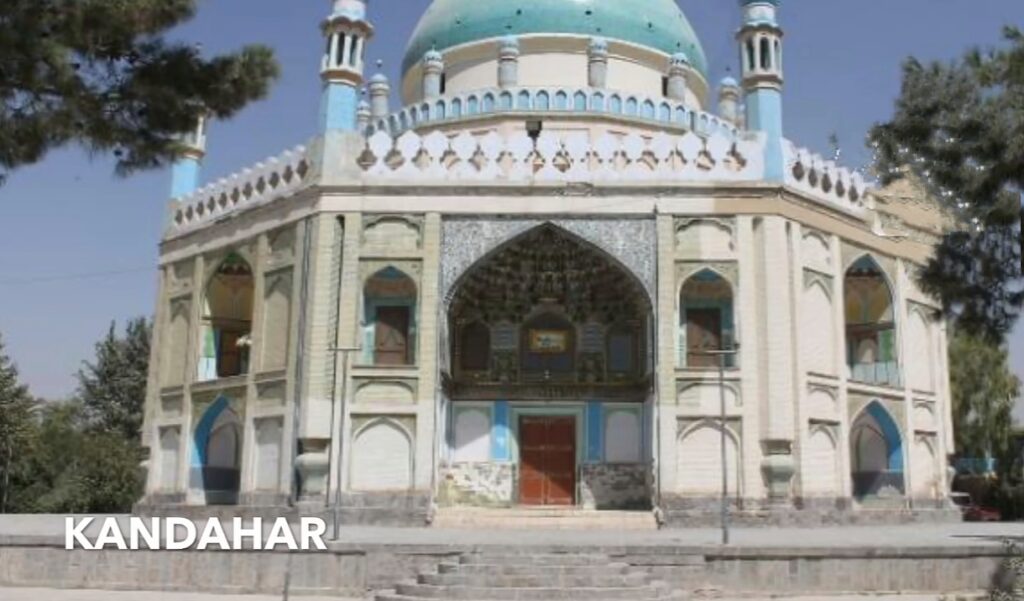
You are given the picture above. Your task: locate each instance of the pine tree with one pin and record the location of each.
(16, 422)
(100, 73)
(959, 127)
(112, 389)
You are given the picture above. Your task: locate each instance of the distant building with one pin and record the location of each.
(504, 292)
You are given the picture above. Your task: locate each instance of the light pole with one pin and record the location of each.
(336, 433)
(723, 354)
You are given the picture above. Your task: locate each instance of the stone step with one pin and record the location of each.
(536, 559)
(476, 593)
(544, 519)
(594, 581)
(554, 571)
(674, 596)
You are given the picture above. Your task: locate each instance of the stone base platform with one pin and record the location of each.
(543, 518)
(785, 561)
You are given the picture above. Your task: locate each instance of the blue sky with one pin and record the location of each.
(69, 216)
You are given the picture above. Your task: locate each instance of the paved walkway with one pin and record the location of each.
(49, 594)
(912, 535)
(37, 594)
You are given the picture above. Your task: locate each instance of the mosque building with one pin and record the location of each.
(568, 271)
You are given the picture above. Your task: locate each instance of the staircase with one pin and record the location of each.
(496, 576)
(543, 518)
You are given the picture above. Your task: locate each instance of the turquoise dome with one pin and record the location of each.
(658, 24)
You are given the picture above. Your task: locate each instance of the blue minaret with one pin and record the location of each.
(760, 41)
(347, 31)
(186, 167)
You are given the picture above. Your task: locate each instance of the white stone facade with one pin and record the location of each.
(314, 318)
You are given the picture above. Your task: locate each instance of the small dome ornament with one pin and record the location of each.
(679, 59)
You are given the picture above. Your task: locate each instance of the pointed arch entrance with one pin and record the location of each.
(549, 337)
(876, 454)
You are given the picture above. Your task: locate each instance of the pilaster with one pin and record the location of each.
(349, 337)
(667, 317)
(427, 353)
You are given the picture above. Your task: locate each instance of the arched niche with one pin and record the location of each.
(871, 344)
(876, 454)
(217, 456)
(550, 307)
(389, 310)
(227, 320)
(706, 319)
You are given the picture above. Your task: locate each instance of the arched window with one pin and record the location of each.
(876, 454)
(227, 323)
(390, 311)
(706, 319)
(870, 327)
(475, 347)
(766, 54)
(751, 64)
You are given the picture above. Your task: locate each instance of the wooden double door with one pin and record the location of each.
(547, 460)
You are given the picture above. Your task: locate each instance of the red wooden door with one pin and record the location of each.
(547, 460)
(703, 333)
(391, 339)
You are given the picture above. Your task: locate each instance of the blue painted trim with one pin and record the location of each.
(595, 432)
(892, 435)
(203, 430)
(764, 114)
(338, 107)
(184, 177)
(500, 433)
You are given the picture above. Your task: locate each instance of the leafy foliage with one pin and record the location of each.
(78, 470)
(16, 426)
(984, 390)
(80, 456)
(112, 389)
(959, 127)
(98, 72)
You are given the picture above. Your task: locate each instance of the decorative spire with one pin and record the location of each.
(508, 62)
(597, 63)
(347, 31)
(433, 74)
(678, 67)
(729, 100)
(380, 93)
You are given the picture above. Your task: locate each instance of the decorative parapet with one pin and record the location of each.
(561, 157)
(271, 179)
(568, 101)
(825, 181)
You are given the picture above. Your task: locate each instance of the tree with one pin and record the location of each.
(99, 72)
(984, 391)
(16, 423)
(76, 469)
(959, 127)
(112, 389)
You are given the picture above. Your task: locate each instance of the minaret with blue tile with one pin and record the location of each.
(760, 41)
(186, 167)
(347, 32)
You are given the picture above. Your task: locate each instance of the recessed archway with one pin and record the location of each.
(876, 454)
(872, 355)
(227, 320)
(217, 454)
